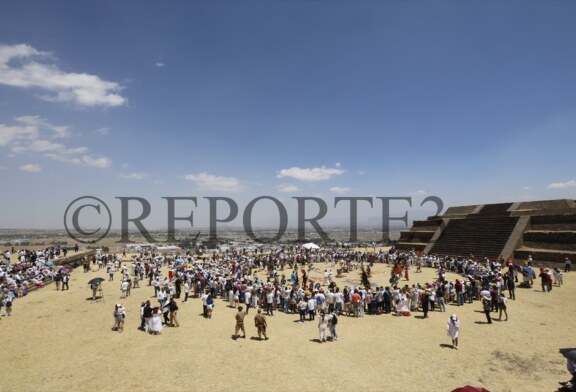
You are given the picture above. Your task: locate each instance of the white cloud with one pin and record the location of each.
(310, 174)
(84, 160)
(159, 64)
(287, 188)
(562, 185)
(339, 189)
(103, 131)
(526, 188)
(215, 183)
(31, 168)
(58, 132)
(100, 162)
(134, 176)
(419, 192)
(41, 145)
(21, 131)
(29, 135)
(80, 88)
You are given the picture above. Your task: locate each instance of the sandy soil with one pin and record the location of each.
(58, 341)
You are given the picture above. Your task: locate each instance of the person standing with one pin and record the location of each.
(302, 306)
(511, 287)
(119, 316)
(440, 293)
(332, 322)
(261, 324)
(567, 265)
(486, 305)
(355, 300)
(166, 311)
(543, 279)
(173, 313)
(65, 279)
(124, 289)
(322, 325)
(425, 300)
(111, 273)
(453, 329)
(210, 306)
(240, 323)
(58, 279)
(186, 291)
(387, 300)
(94, 286)
(459, 287)
(311, 308)
(155, 322)
(270, 301)
(502, 305)
(146, 314)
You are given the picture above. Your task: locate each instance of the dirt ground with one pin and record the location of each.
(59, 341)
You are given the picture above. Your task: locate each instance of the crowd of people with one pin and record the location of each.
(284, 282)
(32, 269)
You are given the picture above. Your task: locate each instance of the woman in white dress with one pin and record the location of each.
(453, 328)
(155, 322)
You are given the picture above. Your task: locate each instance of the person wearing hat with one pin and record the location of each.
(261, 324)
(486, 305)
(119, 316)
(425, 300)
(453, 328)
(240, 323)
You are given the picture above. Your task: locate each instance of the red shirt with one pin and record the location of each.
(356, 298)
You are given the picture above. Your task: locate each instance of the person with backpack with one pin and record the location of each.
(332, 322)
(173, 308)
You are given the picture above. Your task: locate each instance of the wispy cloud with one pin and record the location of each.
(30, 134)
(31, 168)
(134, 176)
(526, 188)
(20, 66)
(311, 174)
(84, 160)
(339, 189)
(562, 185)
(103, 131)
(159, 64)
(287, 188)
(215, 183)
(419, 192)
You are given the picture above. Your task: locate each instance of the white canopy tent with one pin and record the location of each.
(310, 245)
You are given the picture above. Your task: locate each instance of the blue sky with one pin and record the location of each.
(474, 102)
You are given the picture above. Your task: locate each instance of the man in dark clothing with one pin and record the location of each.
(511, 286)
(387, 300)
(486, 302)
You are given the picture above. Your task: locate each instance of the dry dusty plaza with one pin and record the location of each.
(62, 340)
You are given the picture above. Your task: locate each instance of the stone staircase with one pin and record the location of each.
(484, 234)
(549, 238)
(544, 229)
